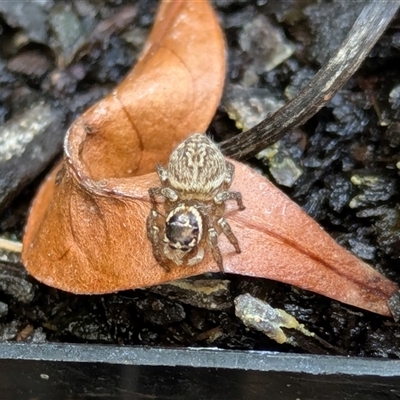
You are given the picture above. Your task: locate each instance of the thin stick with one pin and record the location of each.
(367, 29)
(10, 245)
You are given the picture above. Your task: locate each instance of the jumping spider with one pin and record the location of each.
(195, 187)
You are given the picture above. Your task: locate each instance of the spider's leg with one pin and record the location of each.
(169, 194)
(230, 172)
(162, 174)
(153, 193)
(153, 228)
(153, 234)
(224, 196)
(212, 241)
(226, 228)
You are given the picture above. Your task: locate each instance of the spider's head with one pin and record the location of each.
(183, 228)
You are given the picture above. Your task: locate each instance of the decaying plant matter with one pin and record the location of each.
(87, 229)
(195, 188)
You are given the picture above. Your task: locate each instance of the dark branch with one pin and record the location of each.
(366, 31)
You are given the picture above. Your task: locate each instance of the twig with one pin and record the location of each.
(9, 245)
(367, 29)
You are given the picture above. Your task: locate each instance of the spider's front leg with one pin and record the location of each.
(154, 235)
(212, 242)
(154, 229)
(227, 230)
(155, 224)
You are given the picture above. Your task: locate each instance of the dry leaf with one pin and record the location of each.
(173, 90)
(101, 200)
(94, 250)
(86, 232)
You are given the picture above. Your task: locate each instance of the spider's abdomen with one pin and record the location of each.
(197, 166)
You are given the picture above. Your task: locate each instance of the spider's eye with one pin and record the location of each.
(183, 228)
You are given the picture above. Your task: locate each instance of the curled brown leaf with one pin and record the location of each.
(97, 201)
(172, 90)
(87, 229)
(101, 246)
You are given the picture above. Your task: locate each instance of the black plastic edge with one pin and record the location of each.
(201, 358)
